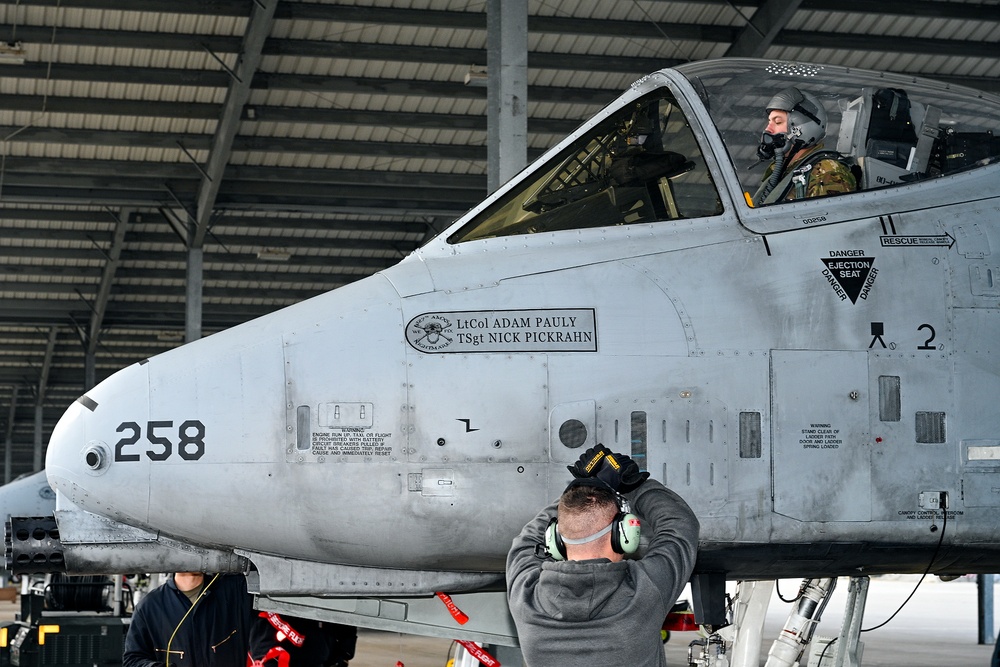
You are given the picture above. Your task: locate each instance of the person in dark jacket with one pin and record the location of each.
(575, 599)
(193, 620)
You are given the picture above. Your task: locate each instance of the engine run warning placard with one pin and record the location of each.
(350, 442)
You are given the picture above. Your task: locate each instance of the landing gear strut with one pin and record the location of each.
(739, 644)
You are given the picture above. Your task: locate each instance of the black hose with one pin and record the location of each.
(774, 178)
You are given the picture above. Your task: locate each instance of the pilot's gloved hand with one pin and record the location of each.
(589, 462)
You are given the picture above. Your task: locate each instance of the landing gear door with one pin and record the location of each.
(820, 419)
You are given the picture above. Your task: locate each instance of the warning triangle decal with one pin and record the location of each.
(850, 273)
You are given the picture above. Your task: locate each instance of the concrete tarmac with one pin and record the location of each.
(936, 628)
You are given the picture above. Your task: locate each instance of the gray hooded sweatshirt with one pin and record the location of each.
(596, 613)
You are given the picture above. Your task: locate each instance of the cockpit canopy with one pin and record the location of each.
(640, 164)
(895, 129)
(641, 161)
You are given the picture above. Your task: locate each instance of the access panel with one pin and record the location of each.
(820, 427)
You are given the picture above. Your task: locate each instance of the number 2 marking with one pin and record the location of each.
(120, 455)
(927, 343)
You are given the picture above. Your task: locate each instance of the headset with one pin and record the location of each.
(624, 529)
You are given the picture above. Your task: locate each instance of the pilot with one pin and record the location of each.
(574, 598)
(796, 125)
(193, 620)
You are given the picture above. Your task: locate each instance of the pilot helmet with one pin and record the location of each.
(806, 115)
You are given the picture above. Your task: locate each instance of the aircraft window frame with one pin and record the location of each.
(953, 129)
(621, 171)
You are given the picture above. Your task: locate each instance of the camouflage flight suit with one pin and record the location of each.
(825, 177)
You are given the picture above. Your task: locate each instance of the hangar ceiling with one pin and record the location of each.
(304, 145)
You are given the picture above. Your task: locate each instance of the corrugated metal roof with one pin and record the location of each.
(112, 114)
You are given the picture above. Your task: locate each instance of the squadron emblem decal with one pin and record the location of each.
(850, 273)
(430, 333)
(541, 330)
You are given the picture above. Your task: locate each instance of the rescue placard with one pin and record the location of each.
(945, 240)
(542, 330)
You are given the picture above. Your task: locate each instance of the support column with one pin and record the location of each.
(43, 385)
(39, 444)
(507, 90)
(8, 450)
(984, 584)
(193, 302)
(89, 370)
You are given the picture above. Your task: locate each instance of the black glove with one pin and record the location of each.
(618, 471)
(629, 476)
(590, 462)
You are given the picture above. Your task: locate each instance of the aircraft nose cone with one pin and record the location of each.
(65, 453)
(81, 448)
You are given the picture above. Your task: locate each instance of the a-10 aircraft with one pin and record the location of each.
(28, 495)
(817, 378)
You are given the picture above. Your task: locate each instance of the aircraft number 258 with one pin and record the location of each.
(190, 440)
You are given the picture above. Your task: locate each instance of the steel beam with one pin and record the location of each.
(258, 28)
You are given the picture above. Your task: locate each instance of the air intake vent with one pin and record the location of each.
(930, 428)
(749, 435)
(888, 398)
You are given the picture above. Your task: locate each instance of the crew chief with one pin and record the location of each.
(575, 599)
